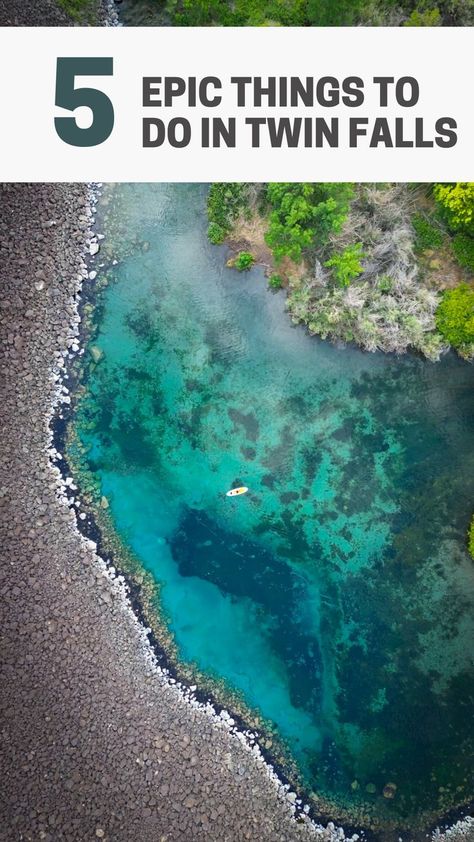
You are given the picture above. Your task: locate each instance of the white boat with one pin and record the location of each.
(234, 492)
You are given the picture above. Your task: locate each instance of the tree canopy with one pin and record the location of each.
(456, 202)
(455, 317)
(304, 214)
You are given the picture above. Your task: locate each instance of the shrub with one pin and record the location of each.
(303, 213)
(346, 265)
(455, 318)
(331, 13)
(244, 261)
(456, 202)
(216, 233)
(430, 17)
(275, 282)
(463, 247)
(224, 204)
(428, 236)
(242, 12)
(470, 537)
(385, 284)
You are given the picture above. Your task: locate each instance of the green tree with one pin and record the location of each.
(334, 13)
(463, 248)
(346, 265)
(224, 204)
(430, 17)
(428, 235)
(455, 318)
(201, 13)
(456, 202)
(304, 214)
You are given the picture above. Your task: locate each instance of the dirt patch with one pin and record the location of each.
(249, 235)
(441, 270)
(439, 267)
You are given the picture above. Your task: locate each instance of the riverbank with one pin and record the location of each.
(371, 270)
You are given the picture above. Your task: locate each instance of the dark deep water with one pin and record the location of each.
(337, 595)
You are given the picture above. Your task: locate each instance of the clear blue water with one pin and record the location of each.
(337, 596)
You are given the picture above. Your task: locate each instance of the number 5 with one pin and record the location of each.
(67, 96)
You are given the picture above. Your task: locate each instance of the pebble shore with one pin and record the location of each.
(50, 13)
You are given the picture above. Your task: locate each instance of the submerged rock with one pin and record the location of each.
(390, 790)
(96, 353)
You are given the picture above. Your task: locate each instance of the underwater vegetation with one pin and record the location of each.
(336, 597)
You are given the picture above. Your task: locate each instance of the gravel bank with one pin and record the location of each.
(39, 13)
(96, 743)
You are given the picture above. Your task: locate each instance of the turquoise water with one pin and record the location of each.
(337, 596)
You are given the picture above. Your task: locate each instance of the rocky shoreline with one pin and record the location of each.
(51, 13)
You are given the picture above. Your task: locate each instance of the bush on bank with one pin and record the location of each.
(224, 204)
(463, 247)
(244, 261)
(455, 318)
